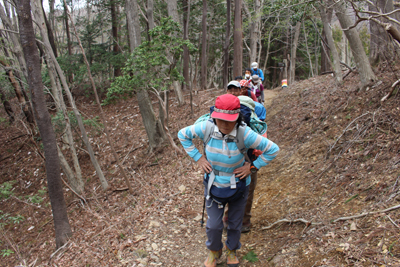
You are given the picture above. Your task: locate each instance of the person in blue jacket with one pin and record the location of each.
(256, 71)
(225, 164)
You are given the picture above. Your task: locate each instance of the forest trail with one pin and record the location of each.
(325, 170)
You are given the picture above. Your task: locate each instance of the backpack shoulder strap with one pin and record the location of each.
(207, 134)
(240, 142)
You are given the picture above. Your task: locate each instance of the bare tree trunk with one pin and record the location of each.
(294, 51)
(76, 183)
(172, 6)
(380, 45)
(69, 45)
(227, 43)
(153, 126)
(59, 208)
(237, 40)
(328, 33)
(255, 30)
(103, 119)
(308, 51)
(186, 56)
(361, 59)
(114, 30)
(203, 78)
(50, 32)
(149, 14)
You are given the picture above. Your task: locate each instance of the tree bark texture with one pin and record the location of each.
(60, 216)
(255, 30)
(237, 40)
(227, 43)
(149, 14)
(203, 77)
(153, 126)
(380, 46)
(335, 55)
(172, 7)
(50, 34)
(114, 30)
(357, 49)
(75, 180)
(294, 52)
(186, 55)
(325, 60)
(69, 45)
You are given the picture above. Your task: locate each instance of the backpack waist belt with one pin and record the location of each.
(211, 182)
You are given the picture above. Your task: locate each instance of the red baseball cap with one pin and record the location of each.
(227, 108)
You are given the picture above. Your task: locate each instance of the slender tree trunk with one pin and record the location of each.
(361, 59)
(59, 208)
(328, 33)
(102, 116)
(153, 126)
(203, 79)
(294, 52)
(380, 45)
(255, 30)
(150, 16)
(172, 7)
(76, 183)
(237, 40)
(308, 51)
(227, 43)
(186, 56)
(114, 30)
(50, 32)
(69, 44)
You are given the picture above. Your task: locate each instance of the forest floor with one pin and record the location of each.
(330, 198)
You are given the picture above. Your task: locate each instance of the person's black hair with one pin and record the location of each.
(239, 77)
(247, 69)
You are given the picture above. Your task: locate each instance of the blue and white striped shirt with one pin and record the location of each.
(225, 156)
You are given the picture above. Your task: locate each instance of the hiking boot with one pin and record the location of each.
(245, 229)
(231, 258)
(211, 260)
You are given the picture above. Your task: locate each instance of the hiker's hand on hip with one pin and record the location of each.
(244, 171)
(204, 164)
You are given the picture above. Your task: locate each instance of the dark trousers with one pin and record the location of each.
(249, 204)
(215, 225)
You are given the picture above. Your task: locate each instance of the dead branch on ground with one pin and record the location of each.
(391, 90)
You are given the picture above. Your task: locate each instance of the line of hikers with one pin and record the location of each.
(235, 142)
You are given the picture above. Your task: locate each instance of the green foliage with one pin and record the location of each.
(35, 199)
(153, 64)
(6, 252)
(17, 219)
(251, 256)
(6, 189)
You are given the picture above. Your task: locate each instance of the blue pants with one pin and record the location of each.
(215, 225)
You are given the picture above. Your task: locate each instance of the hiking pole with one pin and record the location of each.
(202, 217)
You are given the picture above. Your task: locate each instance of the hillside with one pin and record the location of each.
(339, 158)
